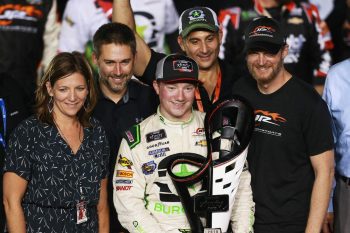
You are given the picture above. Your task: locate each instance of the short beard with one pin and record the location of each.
(114, 89)
(269, 78)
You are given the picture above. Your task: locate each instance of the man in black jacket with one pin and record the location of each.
(123, 101)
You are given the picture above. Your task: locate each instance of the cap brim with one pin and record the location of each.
(195, 26)
(180, 80)
(263, 46)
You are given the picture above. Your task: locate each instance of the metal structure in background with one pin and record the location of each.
(228, 129)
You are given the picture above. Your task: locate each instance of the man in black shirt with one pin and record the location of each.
(309, 46)
(199, 38)
(123, 101)
(291, 151)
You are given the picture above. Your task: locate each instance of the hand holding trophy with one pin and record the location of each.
(228, 128)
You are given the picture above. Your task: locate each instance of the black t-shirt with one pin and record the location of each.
(291, 125)
(139, 102)
(227, 80)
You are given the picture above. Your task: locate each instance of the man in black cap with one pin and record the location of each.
(141, 175)
(291, 151)
(306, 34)
(199, 38)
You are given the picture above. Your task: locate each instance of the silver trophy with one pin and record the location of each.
(228, 129)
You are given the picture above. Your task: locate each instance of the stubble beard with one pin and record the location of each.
(116, 88)
(268, 79)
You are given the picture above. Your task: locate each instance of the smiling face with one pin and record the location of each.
(115, 65)
(68, 94)
(266, 68)
(176, 100)
(203, 47)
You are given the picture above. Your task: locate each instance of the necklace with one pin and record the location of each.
(62, 134)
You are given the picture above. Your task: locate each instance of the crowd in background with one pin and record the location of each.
(33, 32)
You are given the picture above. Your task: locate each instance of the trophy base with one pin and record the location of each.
(212, 230)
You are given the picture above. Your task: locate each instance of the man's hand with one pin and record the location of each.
(327, 226)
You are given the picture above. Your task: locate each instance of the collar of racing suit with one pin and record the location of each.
(174, 123)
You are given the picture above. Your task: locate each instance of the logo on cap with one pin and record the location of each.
(262, 30)
(183, 66)
(196, 14)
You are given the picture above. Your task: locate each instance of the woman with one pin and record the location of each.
(56, 161)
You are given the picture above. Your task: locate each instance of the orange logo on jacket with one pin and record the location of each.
(268, 117)
(17, 11)
(123, 173)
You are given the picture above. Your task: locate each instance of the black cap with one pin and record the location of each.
(264, 33)
(177, 68)
(198, 18)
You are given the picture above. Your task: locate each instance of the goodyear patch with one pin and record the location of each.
(124, 162)
(156, 135)
(157, 145)
(132, 136)
(149, 167)
(126, 174)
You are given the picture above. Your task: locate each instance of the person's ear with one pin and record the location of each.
(156, 86)
(181, 42)
(94, 58)
(49, 88)
(220, 34)
(285, 50)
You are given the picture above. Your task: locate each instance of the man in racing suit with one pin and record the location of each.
(28, 38)
(154, 19)
(144, 195)
(309, 57)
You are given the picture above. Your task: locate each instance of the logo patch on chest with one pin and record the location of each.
(149, 167)
(125, 162)
(156, 135)
(159, 152)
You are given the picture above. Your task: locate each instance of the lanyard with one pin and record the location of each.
(3, 114)
(216, 94)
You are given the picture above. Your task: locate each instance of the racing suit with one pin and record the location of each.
(308, 58)
(28, 34)
(154, 19)
(144, 195)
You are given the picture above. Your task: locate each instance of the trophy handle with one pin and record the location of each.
(181, 184)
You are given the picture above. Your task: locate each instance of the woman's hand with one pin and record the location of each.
(14, 188)
(103, 209)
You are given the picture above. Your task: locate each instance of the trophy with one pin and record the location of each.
(228, 129)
